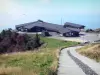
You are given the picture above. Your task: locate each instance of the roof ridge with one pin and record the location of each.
(73, 23)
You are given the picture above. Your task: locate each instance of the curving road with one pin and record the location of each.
(72, 63)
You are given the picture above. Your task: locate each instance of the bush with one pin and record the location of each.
(0, 38)
(11, 41)
(34, 42)
(89, 30)
(3, 33)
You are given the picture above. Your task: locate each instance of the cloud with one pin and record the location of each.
(9, 7)
(10, 13)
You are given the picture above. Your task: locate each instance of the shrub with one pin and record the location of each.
(89, 30)
(3, 33)
(0, 38)
(11, 41)
(33, 42)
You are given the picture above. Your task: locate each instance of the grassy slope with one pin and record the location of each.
(92, 51)
(42, 62)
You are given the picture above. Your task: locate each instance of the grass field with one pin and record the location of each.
(43, 61)
(92, 51)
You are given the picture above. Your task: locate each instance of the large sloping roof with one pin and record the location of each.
(25, 24)
(47, 25)
(73, 24)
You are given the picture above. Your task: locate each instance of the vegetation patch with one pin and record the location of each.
(92, 51)
(11, 41)
(40, 61)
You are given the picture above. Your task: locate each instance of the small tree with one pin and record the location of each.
(3, 34)
(0, 38)
(37, 40)
(9, 32)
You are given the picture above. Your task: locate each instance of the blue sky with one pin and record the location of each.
(86, 12)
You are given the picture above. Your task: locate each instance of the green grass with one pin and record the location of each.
(54, 43)
(41, 62)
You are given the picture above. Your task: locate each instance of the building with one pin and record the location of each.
(72, 25)
(47, 28)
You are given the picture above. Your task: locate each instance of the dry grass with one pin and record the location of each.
(92, 51)
(29, 63)
(15, 71)
(8, 70)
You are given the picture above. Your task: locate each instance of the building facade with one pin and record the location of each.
(45, 27)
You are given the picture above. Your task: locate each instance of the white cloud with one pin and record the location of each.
(8, 7)
(10, 13)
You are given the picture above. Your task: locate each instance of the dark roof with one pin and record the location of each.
(25, 24)
(73, 24)
(46, 25)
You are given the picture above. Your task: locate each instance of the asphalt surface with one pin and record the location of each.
(84, 37)
(91, 37)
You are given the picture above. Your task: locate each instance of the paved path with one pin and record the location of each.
(72, 63)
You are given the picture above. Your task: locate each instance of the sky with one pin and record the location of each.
(85, 12)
